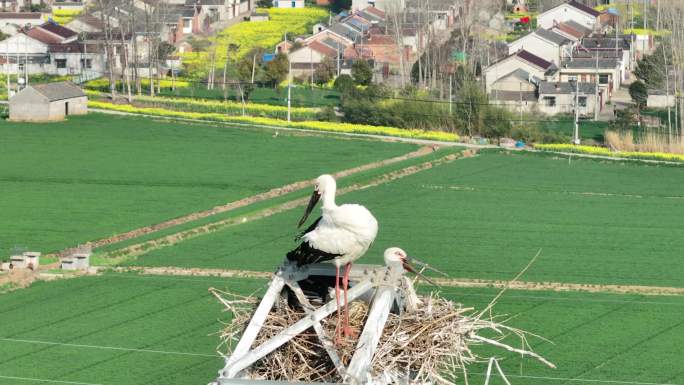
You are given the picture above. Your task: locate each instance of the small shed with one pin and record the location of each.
(27, 260)
(48, 102)
(77, 261)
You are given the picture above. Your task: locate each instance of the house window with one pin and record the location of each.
(550, 101)
(21, 67)
(60, 63)
(294, 4)
(87, 63)
(572, 78)
(603, 79)
(582, 100)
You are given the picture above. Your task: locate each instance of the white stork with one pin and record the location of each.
(341, 235)
(395, 257)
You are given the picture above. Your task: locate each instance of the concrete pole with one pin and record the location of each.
(575, 135)
(451, 98)
(596, 101)
(289, 91)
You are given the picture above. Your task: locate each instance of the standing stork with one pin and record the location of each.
(342, 234)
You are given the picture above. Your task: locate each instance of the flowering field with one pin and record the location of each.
(64, 16)
(227, 107)
(308, 125)
(603, 151)
(249, 35)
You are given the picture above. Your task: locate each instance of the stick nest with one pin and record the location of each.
(432, 344)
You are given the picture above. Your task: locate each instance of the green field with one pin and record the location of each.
(94, 176)
(128, 329)
(485, 217)
(114, 329)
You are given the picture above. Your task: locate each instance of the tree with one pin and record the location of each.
(264, 3)
(651, 69)
(324, 72)
(344, 83)
(639, 93)
(277, 70)
(362, 72)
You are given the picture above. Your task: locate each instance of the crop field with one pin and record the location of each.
(94, 176)
(485, 217)
(130, 329)
(113, 329)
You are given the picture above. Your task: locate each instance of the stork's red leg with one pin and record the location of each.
(348, 332)
(338, 337)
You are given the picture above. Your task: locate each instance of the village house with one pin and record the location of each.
(13, 22)
(48, 102)
(586, 70)
(27, 260)
(516, 90)
(545, 44)
(571, 10)
(526, 61)
(563, 97)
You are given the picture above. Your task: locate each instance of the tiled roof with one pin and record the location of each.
(583, 63)
(322, 48)
(534, 59)
(43, 36)
(552, 36)
(565, 88)
(59, 90)
(58, 30)
(586, 9)
(526, 96)
(374, 11)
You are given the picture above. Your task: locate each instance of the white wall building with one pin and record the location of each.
(12, 22)
(546, 44)
(523, 60)
(572, 10)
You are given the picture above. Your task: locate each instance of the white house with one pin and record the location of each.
(523, 60)
(516, 90)
(22, 53)
(13, 22)
(572, 10)
(561, 98)
(586, 70)
(309, 57)
(546, 44)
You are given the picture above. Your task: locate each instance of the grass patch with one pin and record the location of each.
(91, 177)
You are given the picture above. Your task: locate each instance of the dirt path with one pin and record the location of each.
(450, 282)
(141, 248)
(273, 193)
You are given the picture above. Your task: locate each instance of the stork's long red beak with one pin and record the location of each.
(409, 267)
(312, 203)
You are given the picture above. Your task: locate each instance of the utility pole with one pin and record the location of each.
(575, 134)
(596, 96)
(521, 105)
(289, 90)
(451, 98)
(253, 67)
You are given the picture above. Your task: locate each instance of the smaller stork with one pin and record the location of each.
(395, 257)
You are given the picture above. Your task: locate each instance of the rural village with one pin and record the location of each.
(357, 192)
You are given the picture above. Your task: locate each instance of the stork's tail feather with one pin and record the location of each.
(304, 254)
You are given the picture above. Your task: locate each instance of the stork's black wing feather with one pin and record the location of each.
(299, 236)
(306, 254)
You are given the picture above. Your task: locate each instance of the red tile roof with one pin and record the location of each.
(58, 30)
(374, 11)
(322, 48)
(534, 59)
(584, 8)
(43, 36)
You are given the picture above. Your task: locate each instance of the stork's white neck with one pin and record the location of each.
(328, 197)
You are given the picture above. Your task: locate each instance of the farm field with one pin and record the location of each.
(119, 329)
(161, 329)
(91, 177)
(485, 217)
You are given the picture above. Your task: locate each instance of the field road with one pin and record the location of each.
(273, 193)
(442, 282)
(169, 240)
